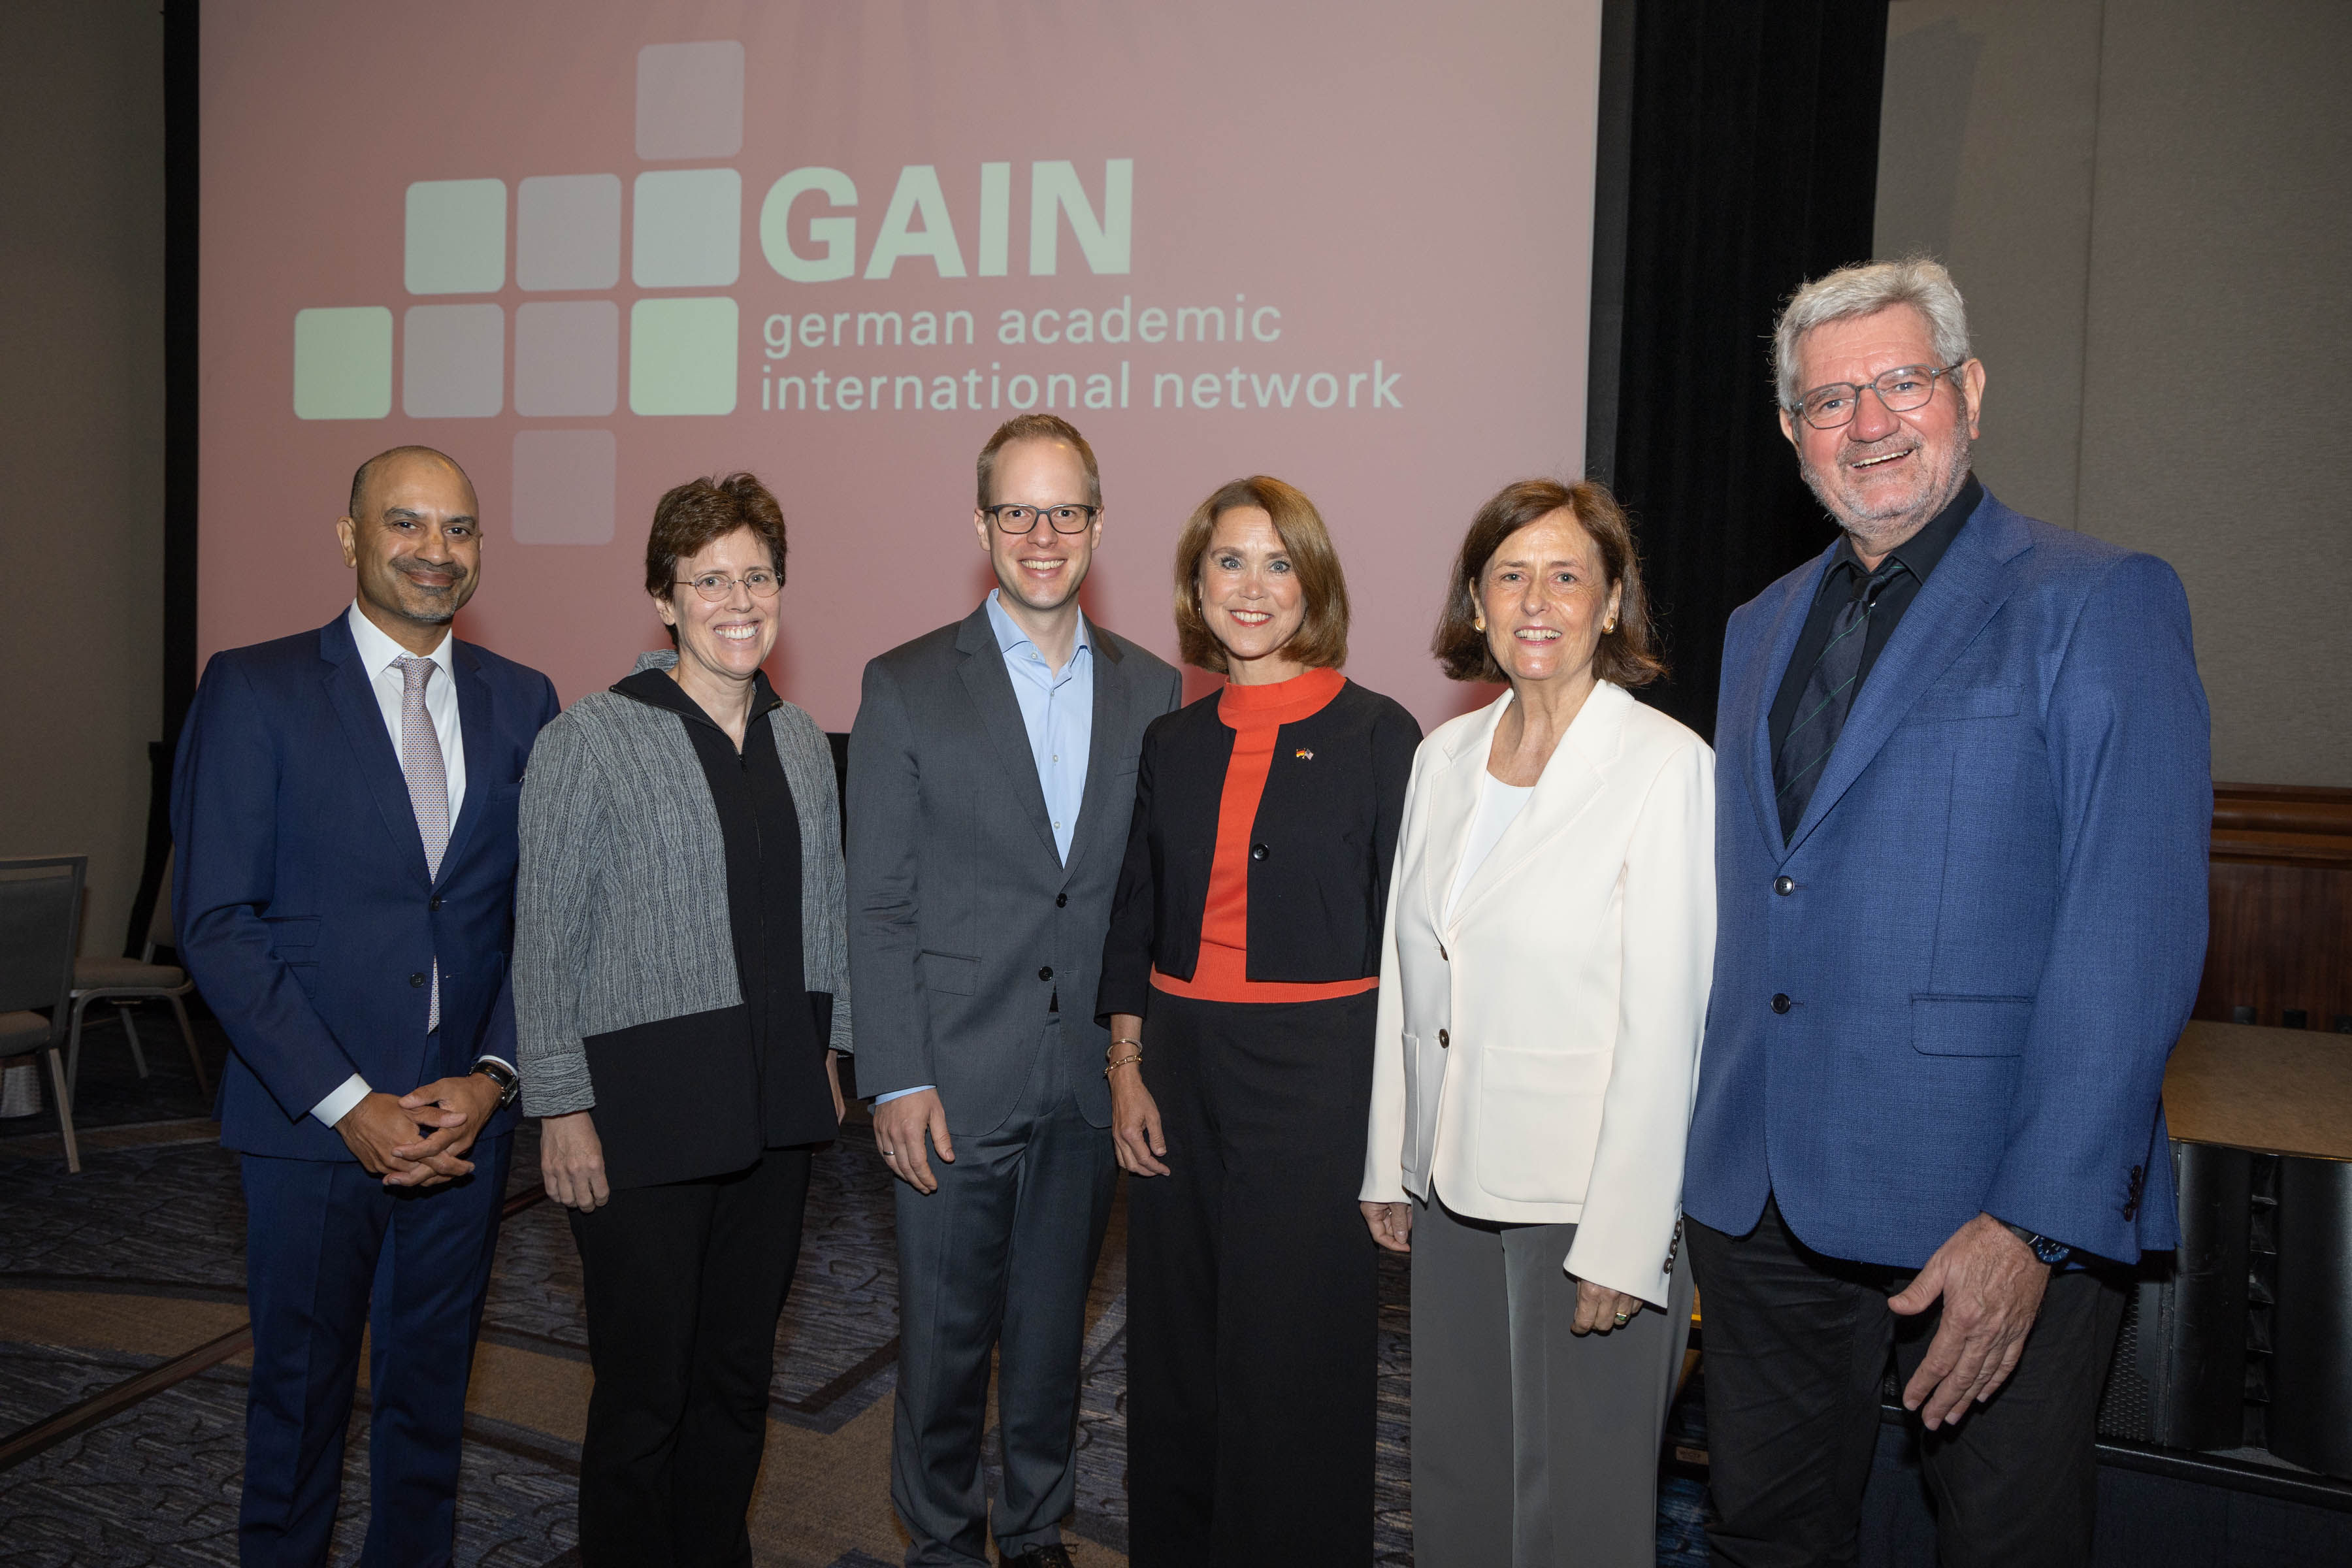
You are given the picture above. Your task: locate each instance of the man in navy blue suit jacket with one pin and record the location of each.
(343, 812)
(1965, 798)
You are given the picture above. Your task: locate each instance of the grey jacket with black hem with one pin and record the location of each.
(621, 911)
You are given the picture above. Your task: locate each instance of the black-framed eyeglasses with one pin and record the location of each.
(716, 585)
(1899, 391)
(1016, 519)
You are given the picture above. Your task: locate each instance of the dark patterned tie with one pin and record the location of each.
(429, 787)
(1828, 698)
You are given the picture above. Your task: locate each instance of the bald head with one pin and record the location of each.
(415, 543)
(363, 504)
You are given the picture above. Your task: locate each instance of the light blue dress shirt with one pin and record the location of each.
(1057, 709)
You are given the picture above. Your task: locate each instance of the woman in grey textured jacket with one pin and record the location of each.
(682, 994)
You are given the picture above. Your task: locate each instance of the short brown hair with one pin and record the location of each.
(1037, 428)
(1321, 640)
(1627, 656)
(701, 511)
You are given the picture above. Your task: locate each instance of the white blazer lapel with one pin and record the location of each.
(1453, 802)
(1569, 781)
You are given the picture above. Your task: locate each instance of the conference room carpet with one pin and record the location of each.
(141, 1258)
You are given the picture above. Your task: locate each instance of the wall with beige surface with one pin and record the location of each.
(2148, 204)
(81, 437)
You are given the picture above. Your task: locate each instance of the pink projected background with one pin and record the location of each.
(594, 251)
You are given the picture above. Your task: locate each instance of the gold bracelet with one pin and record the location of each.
(1136, 1044)
(1122, 1061)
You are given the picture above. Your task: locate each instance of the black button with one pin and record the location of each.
(1046, 973)
(416, 979)
(1257, 851)
(434, 902)
(1441, 1040)
(1779, 1001)
(1060, 900)
(1784, 885)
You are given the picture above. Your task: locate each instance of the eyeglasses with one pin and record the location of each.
(716, 585)
(1899, 391)
(1021, 519)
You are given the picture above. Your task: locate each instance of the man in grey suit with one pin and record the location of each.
(992, 778)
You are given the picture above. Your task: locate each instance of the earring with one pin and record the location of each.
(1608, 626)
(1480, 623)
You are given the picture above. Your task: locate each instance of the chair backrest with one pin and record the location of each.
(158, 924)
(40, 922)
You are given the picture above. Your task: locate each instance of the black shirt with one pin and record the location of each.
(1917, 557)
(782, 1027)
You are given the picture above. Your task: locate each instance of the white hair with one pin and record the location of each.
(1865, 289)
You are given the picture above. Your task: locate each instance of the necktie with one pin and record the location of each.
(1828, 698)
(428, 786)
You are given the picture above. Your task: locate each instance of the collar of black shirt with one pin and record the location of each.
(1918, 553)
(656, 689)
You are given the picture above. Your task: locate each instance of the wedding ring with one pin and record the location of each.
(1624, 1318)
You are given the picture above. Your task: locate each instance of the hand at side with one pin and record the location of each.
(1990, 1284)
(1391, 1224)
(900, 1129)
(571, 1161)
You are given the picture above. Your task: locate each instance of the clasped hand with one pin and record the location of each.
(420, 1138)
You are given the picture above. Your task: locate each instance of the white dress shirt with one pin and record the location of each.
(381, 656)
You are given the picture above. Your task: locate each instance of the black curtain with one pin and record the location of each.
(1742, 141)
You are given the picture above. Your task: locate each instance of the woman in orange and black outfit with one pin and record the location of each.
(1244, 955)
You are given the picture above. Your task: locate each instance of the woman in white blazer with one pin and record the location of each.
(1543, 985)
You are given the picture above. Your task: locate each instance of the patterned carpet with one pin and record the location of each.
(141, 1256)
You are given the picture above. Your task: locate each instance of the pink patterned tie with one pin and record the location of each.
(428, 784)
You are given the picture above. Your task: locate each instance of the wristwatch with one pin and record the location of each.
(2051, 1252)
(509, 1082)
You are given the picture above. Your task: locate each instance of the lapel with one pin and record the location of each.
(354, 702)
(1453, 802)
(1959, 597)
(473, 734)
(1760, 685)
(1578, 768)
(1106, 736)
(991, 689)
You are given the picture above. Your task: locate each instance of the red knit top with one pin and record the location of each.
(1256, 714)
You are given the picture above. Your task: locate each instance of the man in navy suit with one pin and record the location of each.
(344, 810)
(1963, 765)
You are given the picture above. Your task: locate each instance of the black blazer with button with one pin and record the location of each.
(1320, 849)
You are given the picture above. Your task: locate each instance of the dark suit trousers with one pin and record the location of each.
(332, 1253)
(999, 1259)
(683, 1284)
(1252, 1290)
(1796, 1351)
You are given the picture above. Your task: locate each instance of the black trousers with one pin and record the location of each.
(683, 1283)
(1252, 1289)
(1796, 1352)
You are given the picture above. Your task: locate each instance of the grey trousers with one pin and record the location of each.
(998, 1259)
(1531, 1446)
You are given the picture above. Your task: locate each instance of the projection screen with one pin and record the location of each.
(594, 251)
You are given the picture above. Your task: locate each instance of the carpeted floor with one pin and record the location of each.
(141, 1256)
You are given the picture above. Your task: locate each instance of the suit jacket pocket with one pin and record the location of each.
(1539, 1122)
(1970, 1026)
(1967, 702)
(951, 973)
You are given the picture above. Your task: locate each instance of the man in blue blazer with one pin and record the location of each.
(343, 812)
(1965, 795)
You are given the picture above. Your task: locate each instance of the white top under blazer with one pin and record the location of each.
(1537, 1047)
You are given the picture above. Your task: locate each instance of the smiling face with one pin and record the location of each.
(1884, 476)
(730, 640)
(1251, 598)
(1041, 568)
(1543, 597)
(416, 547)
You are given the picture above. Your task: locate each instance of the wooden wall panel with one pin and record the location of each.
(2281, 908)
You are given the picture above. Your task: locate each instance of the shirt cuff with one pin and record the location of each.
(502, 1061)
(337, 1105)
(902, 1093)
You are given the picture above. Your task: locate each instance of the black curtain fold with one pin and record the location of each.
(1750, 151)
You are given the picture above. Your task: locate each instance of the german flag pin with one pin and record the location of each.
(1304, 755)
